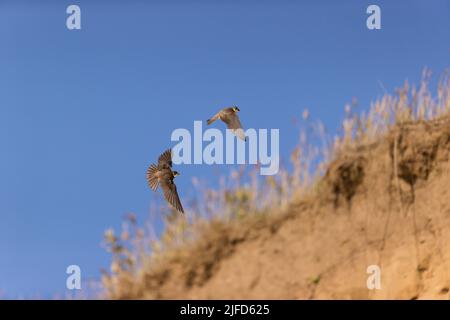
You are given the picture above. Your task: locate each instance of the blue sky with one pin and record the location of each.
(82, 113)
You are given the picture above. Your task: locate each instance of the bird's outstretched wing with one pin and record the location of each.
(234, 124)
(165, 159)
(171, 194)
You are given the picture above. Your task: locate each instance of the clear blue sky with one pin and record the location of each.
(81, 111)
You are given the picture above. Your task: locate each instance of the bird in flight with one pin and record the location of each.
(231, 119)
(162, 174)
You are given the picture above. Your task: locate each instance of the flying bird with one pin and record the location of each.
(162, 174)
(231, 119)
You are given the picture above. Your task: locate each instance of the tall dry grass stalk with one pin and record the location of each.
(244, 192)
(408, 104)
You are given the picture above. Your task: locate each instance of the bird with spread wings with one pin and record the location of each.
(163, 175)
(231, 119)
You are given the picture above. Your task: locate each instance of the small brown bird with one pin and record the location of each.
(231, 119)
(163, 175)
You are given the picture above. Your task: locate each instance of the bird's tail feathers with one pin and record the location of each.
(152, 179)
(209, 121)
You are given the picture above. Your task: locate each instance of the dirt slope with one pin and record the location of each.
(385, 204)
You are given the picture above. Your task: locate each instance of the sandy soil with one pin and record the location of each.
(387, 204)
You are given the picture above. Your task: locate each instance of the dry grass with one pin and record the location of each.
(244, 195)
